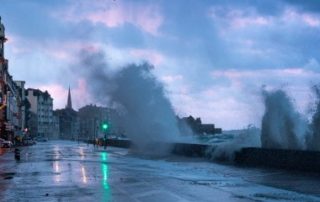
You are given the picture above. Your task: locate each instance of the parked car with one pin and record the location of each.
(29, 141)
(5, 143)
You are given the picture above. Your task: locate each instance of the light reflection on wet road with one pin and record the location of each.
(56, 171)
(68, 171)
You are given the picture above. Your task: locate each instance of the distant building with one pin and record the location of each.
(41, 107)
(23, 104)
(68, 121)
(91, 118)
(197, 127)
(56, 127)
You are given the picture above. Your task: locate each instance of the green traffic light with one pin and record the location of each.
(105, 126)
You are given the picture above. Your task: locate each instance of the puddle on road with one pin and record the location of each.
(7, 176)
(35, 173)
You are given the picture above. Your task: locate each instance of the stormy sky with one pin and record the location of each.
(212, 56)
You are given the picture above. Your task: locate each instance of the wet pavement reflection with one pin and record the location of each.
(57, 171)
(71, 171)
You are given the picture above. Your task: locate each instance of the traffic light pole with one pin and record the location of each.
(105, 127)
(105, 140)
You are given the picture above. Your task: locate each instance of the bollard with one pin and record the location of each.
(17, 154)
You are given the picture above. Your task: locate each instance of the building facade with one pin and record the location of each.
(23, 105)
(91, 119)
(41, 107)
(12, 117)
(56, 127)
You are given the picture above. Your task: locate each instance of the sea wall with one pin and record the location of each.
(184, 149)
(279, 158)
(252, 157)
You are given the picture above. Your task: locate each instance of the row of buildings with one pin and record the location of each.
(12, 98)
(84, 124)
(29, 112)
(65, 123)
(20, 109)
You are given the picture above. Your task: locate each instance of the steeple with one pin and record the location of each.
(69, 103)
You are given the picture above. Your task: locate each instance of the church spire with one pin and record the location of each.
(69, 103)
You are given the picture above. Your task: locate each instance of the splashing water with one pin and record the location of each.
(226, 150)
(313, 140)
(282, 126)
(147, 115)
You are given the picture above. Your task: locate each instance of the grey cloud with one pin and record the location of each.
(310, 5)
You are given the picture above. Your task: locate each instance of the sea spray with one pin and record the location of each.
(225, 151)
(313, 140)
(282, 126)
(146, 114)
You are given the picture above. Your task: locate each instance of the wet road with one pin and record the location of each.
(68, 171)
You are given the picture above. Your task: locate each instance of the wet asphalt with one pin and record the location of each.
(72, 171)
